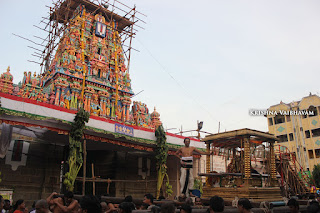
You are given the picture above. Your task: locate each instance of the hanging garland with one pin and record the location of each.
(161, 152)
(75, 154)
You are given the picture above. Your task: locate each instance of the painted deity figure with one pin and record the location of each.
(94, 105)
(67, 99)
(28, 78)
(52, 98)
(118, 112)
(62, 101)
(24, 81)
(34, 80)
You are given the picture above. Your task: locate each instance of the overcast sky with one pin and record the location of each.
(201, 60)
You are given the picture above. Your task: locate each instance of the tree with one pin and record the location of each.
(316, 174)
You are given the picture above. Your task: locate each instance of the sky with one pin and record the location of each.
(205, 60)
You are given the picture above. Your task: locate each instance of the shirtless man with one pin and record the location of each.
(63, 205)
(186, 160)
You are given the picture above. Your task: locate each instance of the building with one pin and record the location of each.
(89, 68)
(297, 127)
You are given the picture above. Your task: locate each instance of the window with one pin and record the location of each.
(314, 110)
(317, 151)
(279, 119)
(288, 118)
(307, 133)
(315, 132)
(291, 137)
(310, 152)
(270, 121)
(282, 138)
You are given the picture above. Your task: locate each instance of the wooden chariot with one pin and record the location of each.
(240, 180)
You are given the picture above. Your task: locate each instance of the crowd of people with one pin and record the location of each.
(92, 204)
(313, 204)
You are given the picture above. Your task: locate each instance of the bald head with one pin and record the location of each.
(42, 206)
(104, 206)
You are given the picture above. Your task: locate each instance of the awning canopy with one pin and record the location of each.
(233, 139)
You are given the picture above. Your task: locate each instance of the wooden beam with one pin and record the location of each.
(84, 167)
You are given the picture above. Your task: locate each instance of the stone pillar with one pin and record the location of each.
(247, 160)
(272, 165)
(87, 102)
(113, 110)
(128, 113)
(124, 112)
(103, 103)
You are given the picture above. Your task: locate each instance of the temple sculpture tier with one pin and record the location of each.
(88, 70)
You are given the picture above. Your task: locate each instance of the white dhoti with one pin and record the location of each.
(186, 177)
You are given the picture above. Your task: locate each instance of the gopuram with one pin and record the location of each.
(84, 65)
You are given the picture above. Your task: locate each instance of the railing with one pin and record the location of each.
(303, 180)
(124, 187)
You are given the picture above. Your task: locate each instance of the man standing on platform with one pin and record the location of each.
(186, 160)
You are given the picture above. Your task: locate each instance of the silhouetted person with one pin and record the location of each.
(42, 206)
(65, 204)
(129, 199)
(1, 203)
(293, 205)
(7, 205)
(244, 205)
(313, 207)
(20, 207)
(216, 204)
(89, 204)
(125, 207)
(185, 208)
(144, 206)
(167, 207)
(148, 199)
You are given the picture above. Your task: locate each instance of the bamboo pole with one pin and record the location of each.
(84, 71)
(93, 182)
(84, 168)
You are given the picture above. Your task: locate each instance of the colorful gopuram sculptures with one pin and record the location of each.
(6, 85)
(88, 70)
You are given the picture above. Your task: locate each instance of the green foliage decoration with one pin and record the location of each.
(161, 154)
(75, 148)
(198, 184)
(316, 175)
